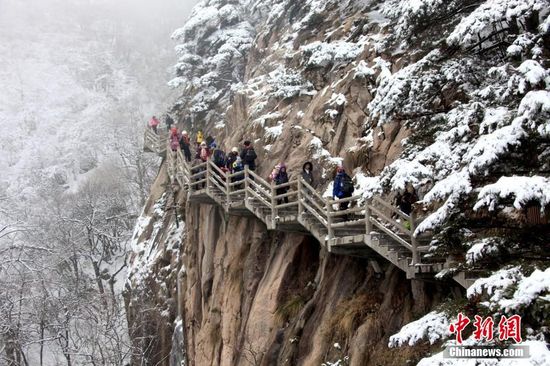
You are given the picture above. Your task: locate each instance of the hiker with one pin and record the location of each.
(184, 145)
(209, 141)
(174, 139)
(237, 167)
(307, 173)
(203, 152)
(231, 157)
(405, 201)
(342, 188)
(169, 122)
(153, 123)
(218, 156)
(200, 137)
(281, 177)
(248, 155)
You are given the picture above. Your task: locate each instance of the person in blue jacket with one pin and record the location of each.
(342, 187)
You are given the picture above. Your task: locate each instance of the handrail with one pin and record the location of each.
(390, 220)
(346, 223)
(220, 180)
(343, 200)
(259, 189)
(198, 166)
(215, 167)
(283, 185)
(235, 174)
(315, 193)
(285, 205)
(288, 194)
(217, 184)
(234, 193)
(315, 214)
(259, 179)
(391, 208)
(310, 199)
(348, 211)
(236, 183)
(391, 233)
(198, 174)
(258, 196)
(196, 183)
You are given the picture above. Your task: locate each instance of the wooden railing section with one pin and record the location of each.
(155, 142)
(371, 228)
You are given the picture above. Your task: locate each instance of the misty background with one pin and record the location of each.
(70, 66)
(78, 81)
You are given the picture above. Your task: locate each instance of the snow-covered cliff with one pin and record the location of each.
(448, 97)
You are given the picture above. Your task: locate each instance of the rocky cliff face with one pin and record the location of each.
(252, 297)
(400, 93)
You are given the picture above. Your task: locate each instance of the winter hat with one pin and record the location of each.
(203, 144)
(235, 150)
(184, 133)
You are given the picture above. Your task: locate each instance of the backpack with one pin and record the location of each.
(209, 140)
(219, 157)
(250, 155)
(237, 166)
(347, 185)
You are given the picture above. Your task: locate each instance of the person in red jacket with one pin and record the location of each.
(153, 123)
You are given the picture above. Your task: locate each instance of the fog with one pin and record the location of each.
(123, 26)
(75, 64)
(78, 81)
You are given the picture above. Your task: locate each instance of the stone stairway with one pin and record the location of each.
(373, 230)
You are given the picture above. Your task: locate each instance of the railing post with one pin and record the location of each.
(329, 222)
(274, 211)
(208, 173)
(414, 242)
(246, 194)
(368, 223)
(300, 206)
(228, 189)
(170, 161)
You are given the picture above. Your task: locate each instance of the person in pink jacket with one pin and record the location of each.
(153, 123)
(174, 139)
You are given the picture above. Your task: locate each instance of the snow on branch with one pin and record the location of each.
(523, 189)
(482, 248)
(433, 326)
(286, 83)
(488, 16)
(410, 92)
(408, 15)
(509, 289)
(321, 54)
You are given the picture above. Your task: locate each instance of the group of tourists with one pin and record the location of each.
(204, 149)
(236, 160)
